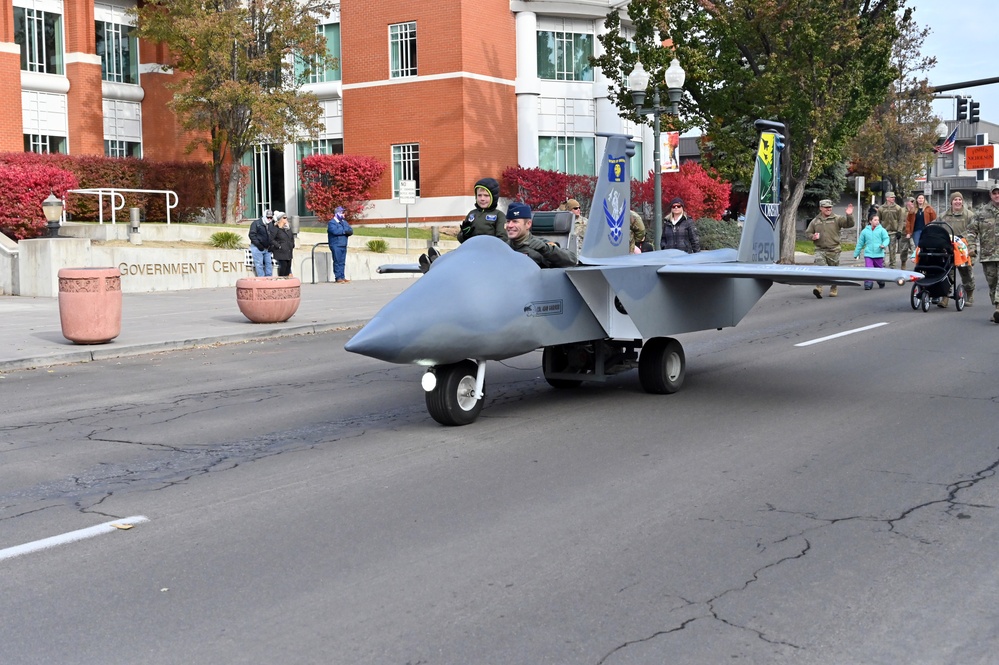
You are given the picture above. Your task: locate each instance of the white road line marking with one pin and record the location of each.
(70, 537)
(842, 334)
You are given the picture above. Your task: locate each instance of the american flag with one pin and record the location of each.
(947, 147)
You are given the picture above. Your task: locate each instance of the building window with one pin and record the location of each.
(119, 52)
(637, 168)
(122, 149)
(44, 144)
(402, 50)
(566, 154)
(39, 34)
(564, 56)
(405, 166)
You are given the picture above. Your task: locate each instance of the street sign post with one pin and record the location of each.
(407, 197)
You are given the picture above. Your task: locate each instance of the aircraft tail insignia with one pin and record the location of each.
(608, 228)
(760, 241)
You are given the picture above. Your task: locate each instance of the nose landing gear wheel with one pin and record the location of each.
(662, 366)
(452, 401)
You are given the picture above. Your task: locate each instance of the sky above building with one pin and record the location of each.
(962, 39)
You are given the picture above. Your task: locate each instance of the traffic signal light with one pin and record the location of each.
(962, 108)
(973, 111)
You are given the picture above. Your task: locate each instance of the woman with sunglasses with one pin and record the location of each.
(679, 231)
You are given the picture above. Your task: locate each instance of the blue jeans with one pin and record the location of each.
(262, 266)
(339, 257)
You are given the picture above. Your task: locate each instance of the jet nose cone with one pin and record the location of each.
(379, 339)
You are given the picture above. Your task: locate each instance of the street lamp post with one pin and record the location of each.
(675, 76)
(52, 207)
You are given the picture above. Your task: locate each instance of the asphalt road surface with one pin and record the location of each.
(831, 503)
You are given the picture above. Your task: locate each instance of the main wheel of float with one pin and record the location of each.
(661, 366)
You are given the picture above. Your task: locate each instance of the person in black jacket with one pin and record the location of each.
(260, 245)
(679, 231)
(282, 243)
(484, 219)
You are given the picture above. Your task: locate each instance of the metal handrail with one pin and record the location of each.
(114, 193)
(318, 244)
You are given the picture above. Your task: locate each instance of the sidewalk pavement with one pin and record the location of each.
(31, 333)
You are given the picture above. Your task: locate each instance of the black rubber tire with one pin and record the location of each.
(555, 356)
(914, 296)
(451, 402)
(960, 298)
(662, 366)
(924, 301)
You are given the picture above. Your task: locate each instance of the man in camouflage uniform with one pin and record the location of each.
(518, 230)
(824, 231)
(958, 216)
(983, 240)
(893, 222)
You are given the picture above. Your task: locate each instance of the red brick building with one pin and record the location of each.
(443, 92)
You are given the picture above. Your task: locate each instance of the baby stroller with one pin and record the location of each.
(937, 257)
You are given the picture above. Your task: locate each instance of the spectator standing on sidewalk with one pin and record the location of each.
(824, 231)
(958, 216)
(282, 243)
(872, 243)
(893, 222)
(983, 234)
(260, 245)
(679, 231)
(337, 232)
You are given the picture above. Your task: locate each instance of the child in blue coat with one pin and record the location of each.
(873, 242)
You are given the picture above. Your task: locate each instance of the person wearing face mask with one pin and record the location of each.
(282, 243)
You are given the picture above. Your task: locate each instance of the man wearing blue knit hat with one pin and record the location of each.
(518, 230)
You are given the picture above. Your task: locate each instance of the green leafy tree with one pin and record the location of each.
(819, 67)
(240, 85)
(896, 141)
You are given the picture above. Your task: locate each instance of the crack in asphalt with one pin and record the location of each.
(951, 501)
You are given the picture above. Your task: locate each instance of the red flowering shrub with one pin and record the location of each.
(339, 180)
(22, 190)
(192, 181)
(703, 193)
(546, 190)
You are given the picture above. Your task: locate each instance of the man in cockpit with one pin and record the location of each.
(518, 230)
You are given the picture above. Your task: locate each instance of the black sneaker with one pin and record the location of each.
(995, 316)
(881, 285)
(817, 292)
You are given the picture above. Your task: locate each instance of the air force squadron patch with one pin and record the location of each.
(615, 168)
(614, 213)
(491, 218)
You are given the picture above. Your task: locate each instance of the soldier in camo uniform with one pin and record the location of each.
(893, 222)
(983, 240)
(958, 216)
(824, 231)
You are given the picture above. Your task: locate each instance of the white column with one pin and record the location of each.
(528, 89)
(607, 119)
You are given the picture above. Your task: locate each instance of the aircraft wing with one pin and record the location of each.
(792, 274)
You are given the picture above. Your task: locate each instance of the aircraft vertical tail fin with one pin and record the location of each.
(608, 228)
(760, 241)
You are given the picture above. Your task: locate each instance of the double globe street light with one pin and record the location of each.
(639, 83)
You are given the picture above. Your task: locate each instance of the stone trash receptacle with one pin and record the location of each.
(90, 304)
(268, 299)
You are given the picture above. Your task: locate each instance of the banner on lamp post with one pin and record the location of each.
(670, 148)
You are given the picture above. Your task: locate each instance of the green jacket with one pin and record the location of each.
(984, 232)
(828, 229)
(892, 217)
(957, 221)
(544, 254)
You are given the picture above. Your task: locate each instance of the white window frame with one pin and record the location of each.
(402, 50)
(405, 165)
